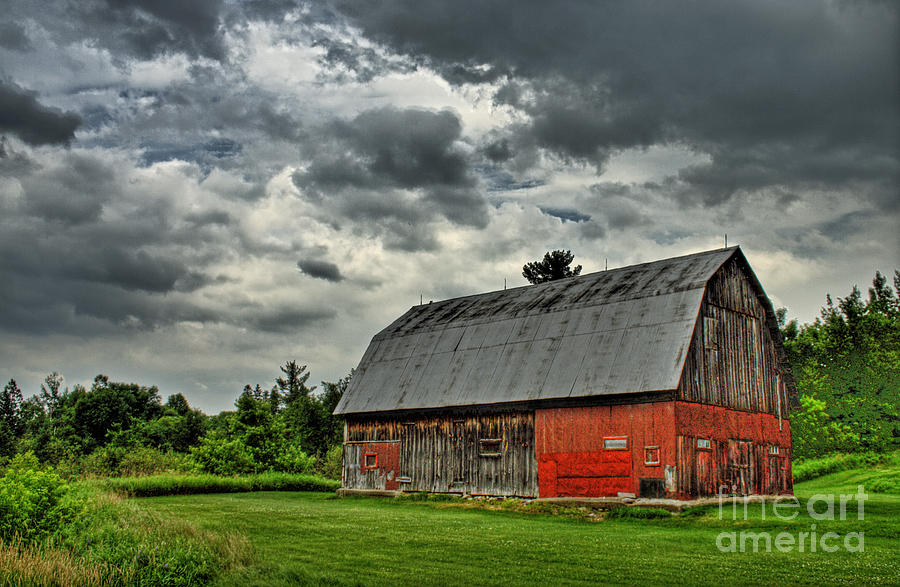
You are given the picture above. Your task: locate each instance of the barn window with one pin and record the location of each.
(704, 444)
(615, 443)
(490, 447)
(651, 455)
(773, 450)
(370, 460)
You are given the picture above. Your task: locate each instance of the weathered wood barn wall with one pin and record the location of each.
(487, 454)
(734, 362)
(666, 379)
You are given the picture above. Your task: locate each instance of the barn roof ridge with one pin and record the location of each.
(562, 280)
(610, 274)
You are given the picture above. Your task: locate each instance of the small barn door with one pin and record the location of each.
(740, 466)
(705, 480)
(459, 464)
(407, 456)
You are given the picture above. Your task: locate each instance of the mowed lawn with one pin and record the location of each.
(316, 538)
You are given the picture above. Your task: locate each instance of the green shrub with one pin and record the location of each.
(217, 455)
(638, 513)
(33, 502)
(292, 459)
(332, 465)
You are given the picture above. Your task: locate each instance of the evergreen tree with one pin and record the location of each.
(554, 265)
(293, 385)
(10, 417)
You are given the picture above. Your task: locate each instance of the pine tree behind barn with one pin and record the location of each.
(665, 379)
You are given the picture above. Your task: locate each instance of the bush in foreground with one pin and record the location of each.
(32, 501)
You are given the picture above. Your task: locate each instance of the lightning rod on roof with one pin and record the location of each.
(606, 264)
(504, 283)
(420, 299)
(726, 240)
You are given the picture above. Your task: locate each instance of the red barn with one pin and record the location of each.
(665, 379)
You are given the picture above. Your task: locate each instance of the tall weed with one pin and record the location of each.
(152, 548)
(24, 564)
(193, 484)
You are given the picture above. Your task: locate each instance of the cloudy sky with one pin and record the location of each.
(192, 193)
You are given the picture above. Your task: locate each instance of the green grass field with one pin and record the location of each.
(317, 538)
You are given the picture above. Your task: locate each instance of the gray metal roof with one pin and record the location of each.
(619, 331)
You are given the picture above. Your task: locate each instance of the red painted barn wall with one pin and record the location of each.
(707, 421)
(572, 460)
(739, 458)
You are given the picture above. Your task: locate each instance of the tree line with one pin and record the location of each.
(847, 368)
(125, 428)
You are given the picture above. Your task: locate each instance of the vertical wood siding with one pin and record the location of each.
(731, 467)
(476, 454)
(732, 360)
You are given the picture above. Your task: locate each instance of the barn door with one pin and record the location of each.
(407, 456)
(458, 461)
(704, 482)
(740, 465)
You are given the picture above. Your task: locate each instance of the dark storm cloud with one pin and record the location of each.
(138, 270)
(13, 37)
(406, 148)
(267, 9)
(286, 320)
(146, 28)
(566, 214)
(72, 192)
(76, 269)
(874, 175)
(770, 91)
(320, 269)
(140, 29)
(392, 167)
(23, 115)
